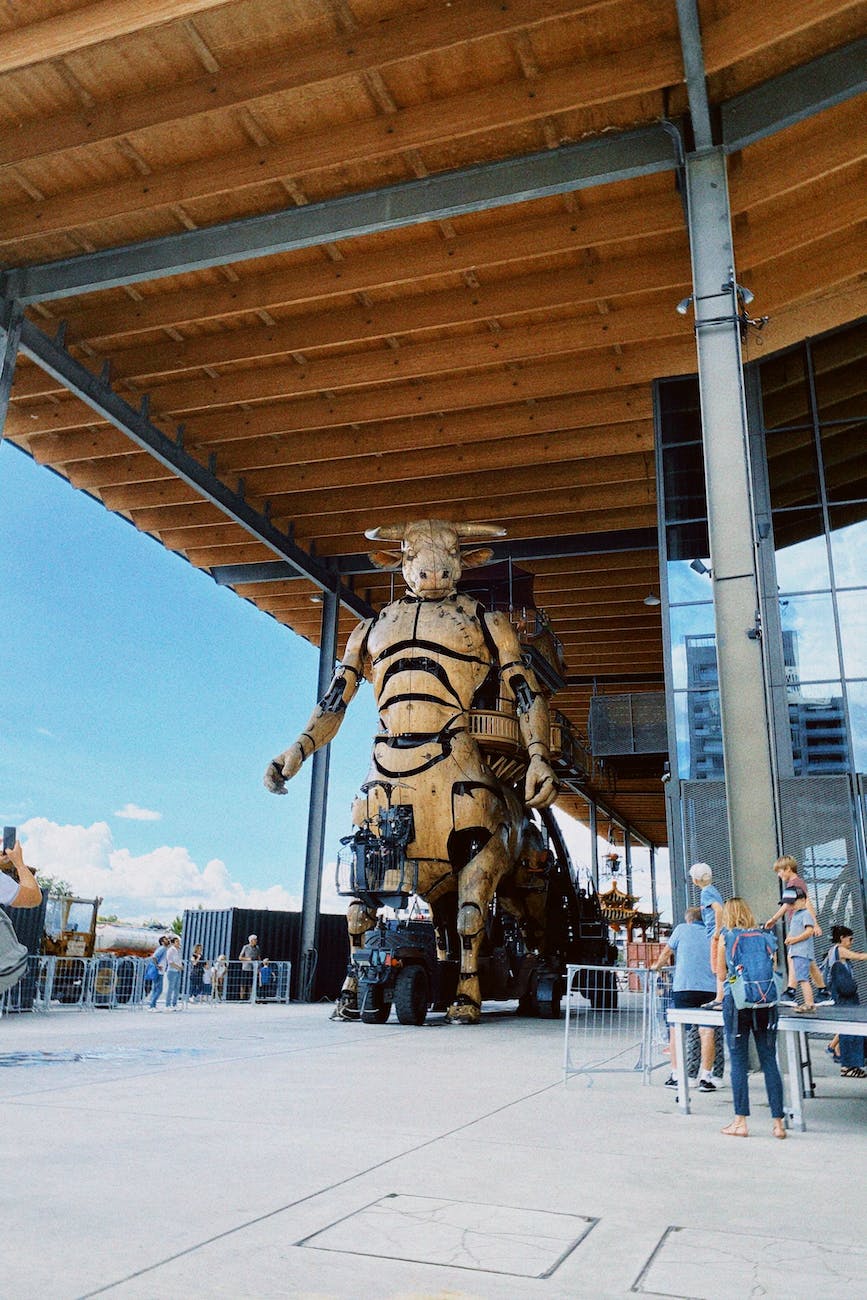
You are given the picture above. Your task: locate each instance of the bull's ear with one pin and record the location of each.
(473, 559)
(385, 559)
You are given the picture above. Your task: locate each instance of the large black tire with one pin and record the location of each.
(375, 1009)
(547, 996)
(411, 995)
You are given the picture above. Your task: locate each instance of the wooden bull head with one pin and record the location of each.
(430, 554)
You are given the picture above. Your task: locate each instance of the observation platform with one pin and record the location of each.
(267, 1151)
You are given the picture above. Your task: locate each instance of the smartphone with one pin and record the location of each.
(10, 835)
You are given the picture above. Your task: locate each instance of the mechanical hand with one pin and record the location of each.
(282, 769)
(540, 783)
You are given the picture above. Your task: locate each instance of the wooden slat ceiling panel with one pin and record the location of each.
(495, 365)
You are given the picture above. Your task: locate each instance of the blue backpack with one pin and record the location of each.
(751, 978)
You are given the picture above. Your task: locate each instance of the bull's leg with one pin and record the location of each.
(476, 885)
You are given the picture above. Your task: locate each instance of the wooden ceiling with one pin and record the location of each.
(487, 364)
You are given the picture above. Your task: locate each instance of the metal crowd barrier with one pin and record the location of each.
(105, 982)
(615, 1020)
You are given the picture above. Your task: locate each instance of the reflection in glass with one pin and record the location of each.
(686, 583)
(857, 695)
(852, 609)
(809, 640)
(704, 734)
(792, 468)
(849, 545)
(693, 647)
(785, 393)
(801, 551)
(845, 460)
(818, 727)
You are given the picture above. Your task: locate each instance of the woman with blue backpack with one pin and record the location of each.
(843, 987)
(746, 960)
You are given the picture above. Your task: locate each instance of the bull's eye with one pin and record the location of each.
(445, 573)
(422, 574)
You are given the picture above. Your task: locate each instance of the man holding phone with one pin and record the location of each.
(23, 892)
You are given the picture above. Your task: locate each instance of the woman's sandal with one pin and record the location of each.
(737, 1129)
(780, 1129)
(853, 1072)
(835, 1056)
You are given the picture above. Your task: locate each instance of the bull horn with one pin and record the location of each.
(389, 533)
(479, 530)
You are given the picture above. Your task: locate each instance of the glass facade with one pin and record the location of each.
(813, 417)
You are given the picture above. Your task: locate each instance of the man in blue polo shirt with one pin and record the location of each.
(689, 944)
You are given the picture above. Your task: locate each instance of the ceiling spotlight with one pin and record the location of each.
(652, 600)
(316, 600)
(683, 306)
(746, 295)
(699, 566)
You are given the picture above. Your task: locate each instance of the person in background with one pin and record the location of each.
(23, 892)
(689, 944)
(175, 965)
(198, 966)
(761, 1022)
(247, 956)
(266, 979)
(845, 1048)
(786, 869)
(711, 903)
(218, 977)
(207, 980)
(159, 961)
(802, 951)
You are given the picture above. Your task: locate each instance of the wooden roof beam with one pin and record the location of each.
(385, 41)
(500, 386)
(91, 24)
(598, 160)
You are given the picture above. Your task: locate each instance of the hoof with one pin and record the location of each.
(464, 1012)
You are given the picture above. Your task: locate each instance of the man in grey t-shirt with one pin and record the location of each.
(248, 954)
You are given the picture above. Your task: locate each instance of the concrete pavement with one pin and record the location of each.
(271, 1152)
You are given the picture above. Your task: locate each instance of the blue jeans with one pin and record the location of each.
(762, 1024)
(174, 984)
(156, 990)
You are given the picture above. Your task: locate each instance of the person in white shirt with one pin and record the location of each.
(23, 892)
(174, 966)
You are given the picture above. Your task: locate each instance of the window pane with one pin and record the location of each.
(839, 367)
(683, 481)
(852, 608)
(857, 693)
(687, 541)
(818, 729)
(699, 735)
(679, 410)
(693, 647)
(809, 641)
(801, 552)
(785, 393)
(792, 468)
(849, 545)
(686, 582)
(844, 454)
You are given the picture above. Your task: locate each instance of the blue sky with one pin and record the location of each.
(140, 706)
(133, 682)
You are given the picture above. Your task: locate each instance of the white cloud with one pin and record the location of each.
(155, 885)
(132, 812)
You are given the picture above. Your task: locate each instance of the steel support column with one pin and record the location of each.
(594, 844)
(627, 858)
(11, 316)
(744, 713)
(314, 859)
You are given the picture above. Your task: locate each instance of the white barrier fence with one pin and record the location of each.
(114, 982)
(615, 1020)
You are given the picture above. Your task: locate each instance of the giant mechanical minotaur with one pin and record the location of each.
(426, 656)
